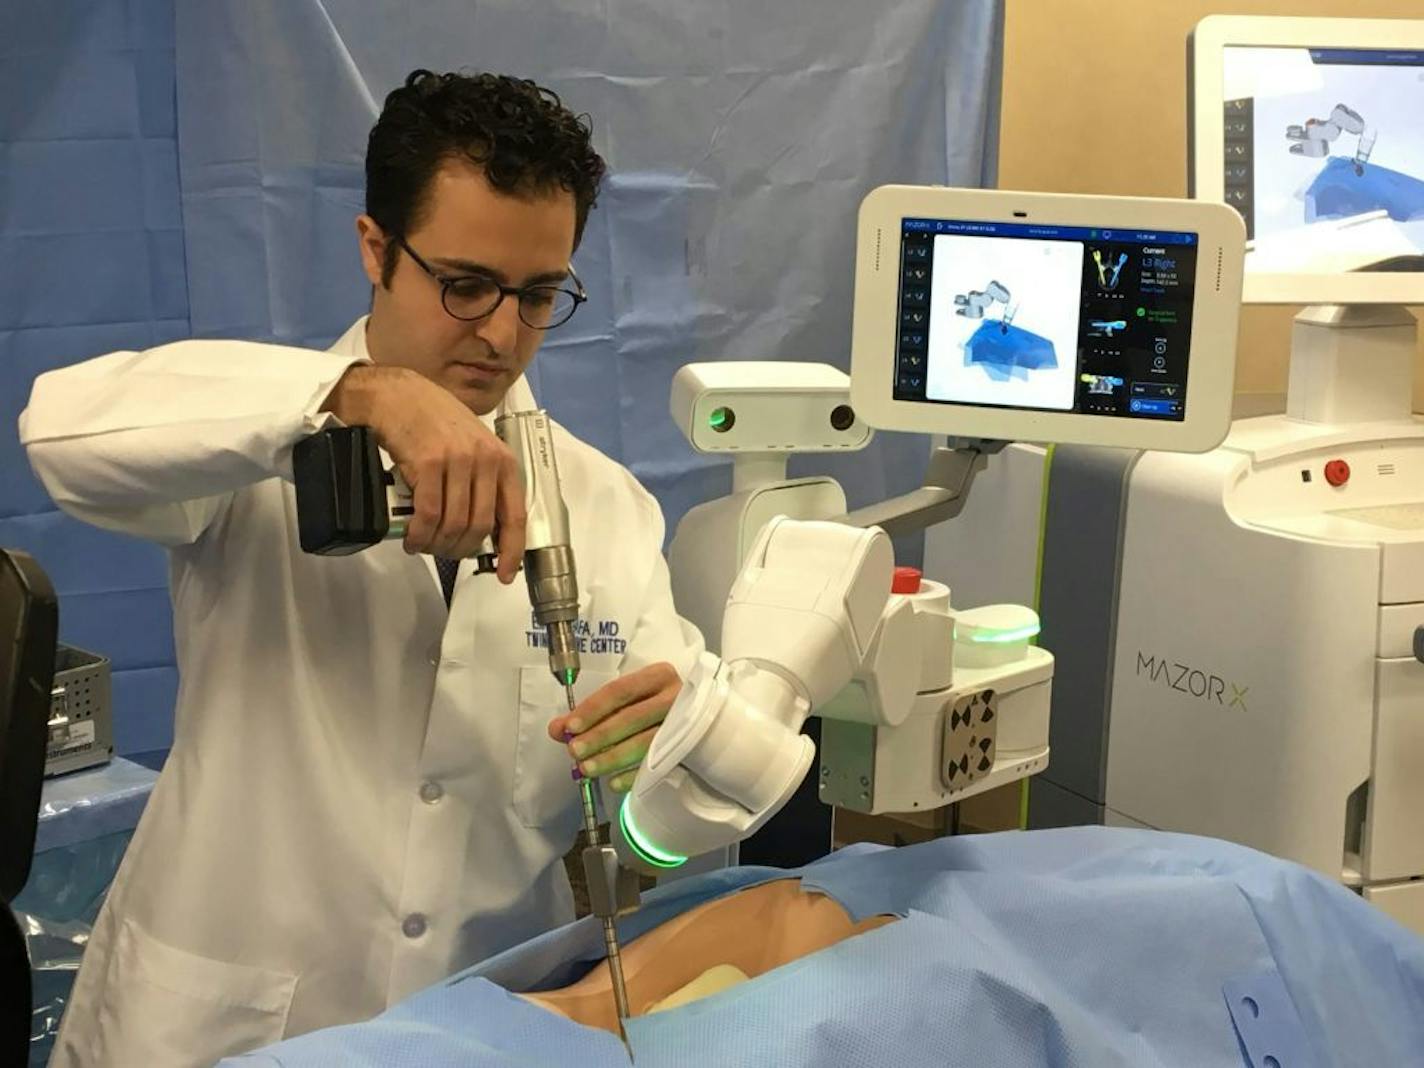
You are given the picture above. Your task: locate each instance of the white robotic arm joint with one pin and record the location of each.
(809, 600)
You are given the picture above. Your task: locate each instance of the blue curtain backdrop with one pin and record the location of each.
(195, 169)
(91, 260)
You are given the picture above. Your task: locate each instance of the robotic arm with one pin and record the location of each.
(1315, 136)
(813, 626)
(801, 619)
(976, 303)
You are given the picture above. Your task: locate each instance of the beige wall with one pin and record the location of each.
(1095, 102)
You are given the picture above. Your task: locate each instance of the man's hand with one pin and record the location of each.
(464, 479)
(610, 731)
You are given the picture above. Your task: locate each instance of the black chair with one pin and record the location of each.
(29, 633)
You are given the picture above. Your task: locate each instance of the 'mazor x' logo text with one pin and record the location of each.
(1193, 682)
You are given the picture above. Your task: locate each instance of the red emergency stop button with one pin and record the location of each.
(1337, 472)
(906, 580)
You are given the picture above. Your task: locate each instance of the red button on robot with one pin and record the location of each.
(906, 580)
(1337, 472)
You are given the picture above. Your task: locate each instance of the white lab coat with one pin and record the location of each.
(361, 796)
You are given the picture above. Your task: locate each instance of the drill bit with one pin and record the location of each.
(610, 930)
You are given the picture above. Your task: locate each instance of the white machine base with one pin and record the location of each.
(1265, 683)
(1402, 901)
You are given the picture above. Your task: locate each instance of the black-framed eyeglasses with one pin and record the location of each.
(470, 297)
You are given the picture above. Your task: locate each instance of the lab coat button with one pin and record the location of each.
(413, 925)
(431, 792)
(434, 655)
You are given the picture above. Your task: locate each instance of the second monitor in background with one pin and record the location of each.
(1313, 129)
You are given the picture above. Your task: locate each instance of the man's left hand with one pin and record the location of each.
(609, 732)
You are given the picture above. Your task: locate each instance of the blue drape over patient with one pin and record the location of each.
(1085, 948)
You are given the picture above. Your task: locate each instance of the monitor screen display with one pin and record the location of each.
(1323, 155)
(1053, 318)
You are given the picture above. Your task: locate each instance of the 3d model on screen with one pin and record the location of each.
(975, 303)
(1315, 137)
(1109, 273)
(1106, 327)
(1351, 185)
(1003, 350)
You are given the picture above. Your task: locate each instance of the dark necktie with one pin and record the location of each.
(447, 569)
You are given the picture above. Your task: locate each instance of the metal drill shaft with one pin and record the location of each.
(610, 929)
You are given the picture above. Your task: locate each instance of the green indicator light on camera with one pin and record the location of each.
(722, 420)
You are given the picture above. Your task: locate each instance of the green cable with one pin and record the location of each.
(1042, 529)
(1037, 601)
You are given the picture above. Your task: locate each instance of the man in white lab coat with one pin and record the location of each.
(367, 789)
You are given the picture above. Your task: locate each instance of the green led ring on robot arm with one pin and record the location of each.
(646, 850)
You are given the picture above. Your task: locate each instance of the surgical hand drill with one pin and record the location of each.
(347, 501)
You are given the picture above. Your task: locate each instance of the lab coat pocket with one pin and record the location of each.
(544, 795)
(163, 1005)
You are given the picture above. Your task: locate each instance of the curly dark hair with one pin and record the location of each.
(517, 132)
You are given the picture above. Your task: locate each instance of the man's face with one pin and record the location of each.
(467, 228)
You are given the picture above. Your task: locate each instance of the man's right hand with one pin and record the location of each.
(465, 480)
